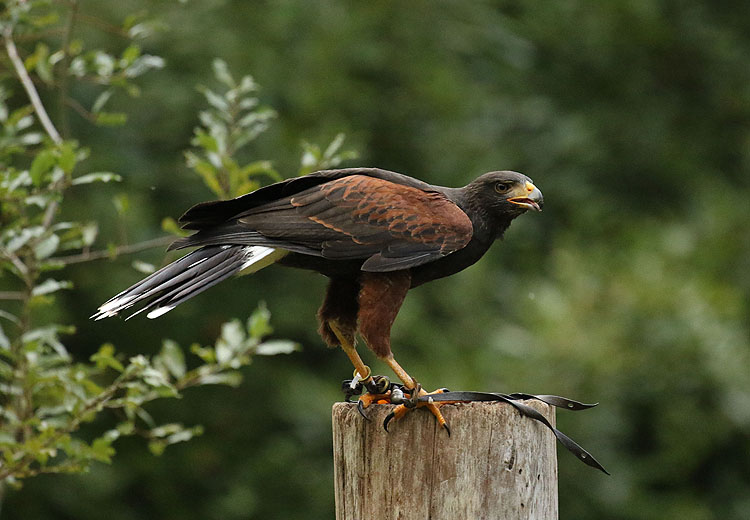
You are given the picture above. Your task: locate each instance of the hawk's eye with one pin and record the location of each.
(502, 187)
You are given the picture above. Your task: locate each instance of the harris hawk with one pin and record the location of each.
(374, 233)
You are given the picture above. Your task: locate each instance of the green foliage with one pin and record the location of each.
(233, 120)
(314, 158)
(47, 397)
(64, 395)
(17, 132)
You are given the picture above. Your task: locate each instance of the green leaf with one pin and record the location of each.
(231, 341)
(101, 100)
(130, 53)
(233, 379)
(155, 378)
(102, 450)
(258, 325)
(221, 71)
(214, 99)
(40, 201)
(67, 159)
(178, 433)
(173, 358)
(157, 447)
(126, 428)
(46, 247)
(77, 67)
(4, 341)
(104, 64)
(143, 267)
(42, 163)
(142, 64)
(21, 114)
(276, 346)
(22, 238)
(49, 286)
(48, 336)
(247, 84)
(121, 202)
(31, 138)
(39, 61)
(206, 170)
(88, 233)
(206, 354)
(171, 226)
(334, 146)
(206, 141)
(111, 118)
(144, 29)
(105, 358)
(97, 177)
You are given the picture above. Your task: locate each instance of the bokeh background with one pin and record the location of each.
(632, 288)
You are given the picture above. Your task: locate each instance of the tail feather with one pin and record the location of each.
(172, 299)
(192, 274)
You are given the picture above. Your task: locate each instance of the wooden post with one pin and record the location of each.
(495, 465)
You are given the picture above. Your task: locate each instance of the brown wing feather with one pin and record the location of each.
(410, 214)
(400, 225)
(390, 226)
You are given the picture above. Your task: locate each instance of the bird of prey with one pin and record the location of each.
(374, 233)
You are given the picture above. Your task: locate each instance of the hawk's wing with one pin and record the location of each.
(388, 225)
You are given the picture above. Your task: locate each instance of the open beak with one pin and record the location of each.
(530, 199)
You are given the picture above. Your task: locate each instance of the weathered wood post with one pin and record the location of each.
(495, 465)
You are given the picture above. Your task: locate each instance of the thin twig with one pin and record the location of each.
(12, 295)
(28, 85)
(75, 105)
(108, 253)
(41, 112)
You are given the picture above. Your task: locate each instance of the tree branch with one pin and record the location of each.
(36, 102)
(107, 253)
(12, 295)
(28, 86)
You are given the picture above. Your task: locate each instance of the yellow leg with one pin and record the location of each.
(350, 350)
(400, 372)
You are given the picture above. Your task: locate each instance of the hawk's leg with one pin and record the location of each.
(380, 299)
(338, 321)
(378, 387)
(349, 348)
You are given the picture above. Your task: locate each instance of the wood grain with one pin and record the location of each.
(495, 465)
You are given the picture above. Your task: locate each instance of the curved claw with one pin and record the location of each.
(388, 418)
(447, 429)
(361, 410)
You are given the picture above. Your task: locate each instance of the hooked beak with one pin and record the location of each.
(531, 198)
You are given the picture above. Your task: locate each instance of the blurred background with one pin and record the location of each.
(631, 289)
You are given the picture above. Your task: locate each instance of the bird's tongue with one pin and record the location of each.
(523, 201)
